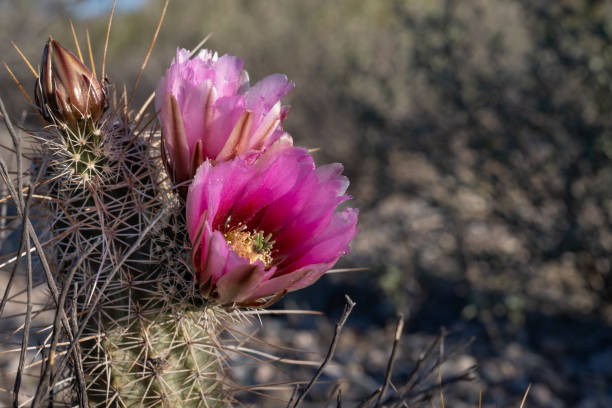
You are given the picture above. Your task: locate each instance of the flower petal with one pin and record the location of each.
(239, 282)
(265, 94)
(273, 176)
(197, 204)
(228, 71)
(329, 245)
(230, 124)
(278, 192)
(213, 95)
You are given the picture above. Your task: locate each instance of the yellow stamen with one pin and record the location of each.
(249, 245)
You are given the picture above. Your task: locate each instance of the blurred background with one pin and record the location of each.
(477, 136)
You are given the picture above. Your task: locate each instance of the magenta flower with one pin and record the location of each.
(268, 226)
(208, 111)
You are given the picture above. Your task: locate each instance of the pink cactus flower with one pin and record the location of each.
(208, 111)
(262, 228)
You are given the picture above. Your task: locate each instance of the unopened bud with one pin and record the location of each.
(66, 90)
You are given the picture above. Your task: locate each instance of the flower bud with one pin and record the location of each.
(66, 90)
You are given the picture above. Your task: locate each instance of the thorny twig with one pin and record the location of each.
(16, 142)
(83, 402)
(525, 396)
(398, 335)
(332, 348)
(28, 234)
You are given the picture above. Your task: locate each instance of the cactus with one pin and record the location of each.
(157, 240)
(147, 341)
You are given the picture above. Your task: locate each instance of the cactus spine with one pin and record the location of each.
(148, 338)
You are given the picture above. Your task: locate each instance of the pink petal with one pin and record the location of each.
(269, 124)
(329, 245)
(239, 282)
(239, 132)
(313, 219)
(243, 82)
(275, 175)
(286, 208)
(213, 94)
(175, 140)
(225, 115)
(193, 108)
(279, 283)
(331, 174)
(314, 274)
(279, 191)
(228, 71)
(197, 203)
(216, 189)
(265, 93)
(218, 256)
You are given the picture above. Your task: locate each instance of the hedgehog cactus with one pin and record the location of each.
(159, 239)
(147, 341)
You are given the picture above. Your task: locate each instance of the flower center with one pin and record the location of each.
(251, 245)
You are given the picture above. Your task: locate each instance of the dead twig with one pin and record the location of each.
(42, 386)
(398, 335)
(19, 206)
(467, 375)
(348, 308)
(525, 396)
(293, 395)
(25, 237)
(412, 376)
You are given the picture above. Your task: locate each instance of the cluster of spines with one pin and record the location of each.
(147, 336)
(78, 153)
(155, 359)
(147, 305)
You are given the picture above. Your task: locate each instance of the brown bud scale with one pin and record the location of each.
(67, 90)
